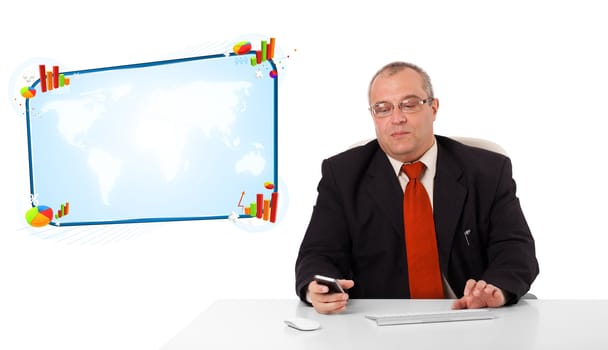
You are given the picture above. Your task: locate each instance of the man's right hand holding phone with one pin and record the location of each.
(326, 301)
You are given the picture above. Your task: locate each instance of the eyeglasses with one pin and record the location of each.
(409, 105)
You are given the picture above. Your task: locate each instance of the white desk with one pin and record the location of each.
(531, 324)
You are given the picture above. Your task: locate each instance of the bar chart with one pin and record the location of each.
(52, 79)
(63, 211)
(265, 53)
(262, 208)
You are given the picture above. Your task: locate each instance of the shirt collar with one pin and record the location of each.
(429, 158)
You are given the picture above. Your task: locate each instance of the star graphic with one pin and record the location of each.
(258, 74)
(233, 217)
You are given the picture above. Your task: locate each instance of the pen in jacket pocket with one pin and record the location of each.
(466, 236)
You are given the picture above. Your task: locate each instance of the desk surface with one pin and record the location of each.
(531, 324)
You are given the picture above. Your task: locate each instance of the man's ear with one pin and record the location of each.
(435, 107)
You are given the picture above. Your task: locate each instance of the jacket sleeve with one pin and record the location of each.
(512, 263)
(325, 247)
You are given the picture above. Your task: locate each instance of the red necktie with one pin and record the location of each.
(420, 240)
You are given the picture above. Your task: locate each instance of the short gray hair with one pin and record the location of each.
(396, 67)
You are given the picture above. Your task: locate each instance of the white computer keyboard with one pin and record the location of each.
(429, 317)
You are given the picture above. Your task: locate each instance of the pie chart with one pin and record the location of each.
(39, 216)
(242, 47)
(27, 92)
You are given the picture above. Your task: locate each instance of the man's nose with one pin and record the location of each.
(397, 116)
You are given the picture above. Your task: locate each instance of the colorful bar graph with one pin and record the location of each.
(262, 208)
(65, 210)
(274, 206)
(42, 70)
(265, 53)
(55, 77)
(50, 80)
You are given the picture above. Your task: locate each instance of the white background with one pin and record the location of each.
(528, 75)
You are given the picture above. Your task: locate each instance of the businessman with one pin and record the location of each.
(412, 214)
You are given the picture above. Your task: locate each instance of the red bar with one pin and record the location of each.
(259, 204)
(270, 53)
(274, 206)
(66, 209)
(42, 70)
(258, 56)
(56, 77)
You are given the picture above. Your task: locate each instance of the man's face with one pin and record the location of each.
(403, 136)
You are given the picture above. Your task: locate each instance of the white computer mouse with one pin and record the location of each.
(303, 324)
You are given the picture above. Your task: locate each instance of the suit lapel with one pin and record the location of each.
(448, 200)
(385, 190)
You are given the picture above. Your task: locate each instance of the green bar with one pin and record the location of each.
(61, 80)
(264, 50)
(252, 209)
(254, 61)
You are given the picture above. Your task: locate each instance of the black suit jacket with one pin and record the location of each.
(356, 229)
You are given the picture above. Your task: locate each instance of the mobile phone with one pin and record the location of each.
(331, 283)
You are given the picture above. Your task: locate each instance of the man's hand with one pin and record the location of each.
(325, 302)
(479, 294)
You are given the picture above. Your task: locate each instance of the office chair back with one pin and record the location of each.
(470, 141)
(480, 143)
